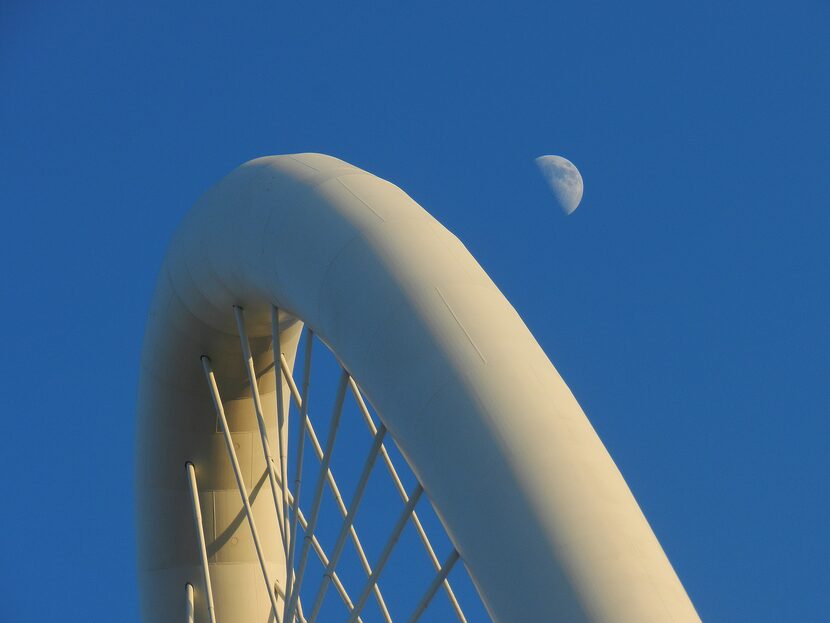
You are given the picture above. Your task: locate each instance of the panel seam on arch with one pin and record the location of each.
(458, 321)
(355, 195)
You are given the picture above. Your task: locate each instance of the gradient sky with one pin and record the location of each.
(685, 302)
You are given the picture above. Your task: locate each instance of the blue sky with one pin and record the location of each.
(685, 302)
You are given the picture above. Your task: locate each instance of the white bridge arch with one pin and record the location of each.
(527, 493)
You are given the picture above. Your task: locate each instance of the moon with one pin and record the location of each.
(564, 180)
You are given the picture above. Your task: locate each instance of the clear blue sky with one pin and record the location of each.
(685, 302)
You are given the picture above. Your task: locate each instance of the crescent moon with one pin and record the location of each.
(564, 180)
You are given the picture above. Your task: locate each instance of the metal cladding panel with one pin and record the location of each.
(527, 492)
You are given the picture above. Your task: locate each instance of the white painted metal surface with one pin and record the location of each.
(244, 496)
(529, 496)
(189, 608)
(203, 557)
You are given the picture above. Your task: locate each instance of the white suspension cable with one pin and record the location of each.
(321, 554)
(318, 491)
(189, 606)
(347, 523)
(439, 579)
(387, 551)
(200, 534)
(240, 483)
(263, 430)
(370, 424)
(282, 423)
(299, 612)
(298, 475)
(364, 561)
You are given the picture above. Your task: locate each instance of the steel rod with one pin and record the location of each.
(240, 483)
(347, 523)
(200, 534)
(338, 498)
(263, 430)
(416, 521)
(321, 554)
(300, 615)
(282, 422)
(439, 579)
(387, 551)
(298, 475)
(189, 606)
(318, 491)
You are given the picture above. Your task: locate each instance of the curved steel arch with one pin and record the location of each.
(528, 494)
